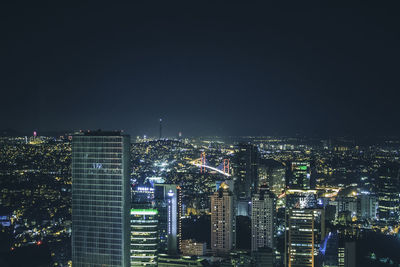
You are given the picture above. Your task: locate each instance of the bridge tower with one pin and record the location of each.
(203, 162)
(226, 166)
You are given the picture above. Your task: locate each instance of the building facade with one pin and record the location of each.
(223, 221)
(305, 231)
(246, 170)
(301, 175)
(192, 248)
(100, 199)
(144, 236)
(168, 201)
(263, 219)
(388, 192)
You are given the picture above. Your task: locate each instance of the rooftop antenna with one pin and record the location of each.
(160, 128)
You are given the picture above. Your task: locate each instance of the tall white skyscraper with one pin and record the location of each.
(263, 219)
(100, 199)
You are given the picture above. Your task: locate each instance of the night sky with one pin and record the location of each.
(206, 68)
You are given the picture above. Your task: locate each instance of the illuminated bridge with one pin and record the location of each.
(201, 162)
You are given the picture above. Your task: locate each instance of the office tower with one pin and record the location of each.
(263, 173)
(263, 219)
(301, 175)
(305, 230)
(100, 199)
(388, 192)
(368, 206)
(144, 235)
(272, 173)
(223, 224)
(245, 170)
(277, 179)
(168, 201)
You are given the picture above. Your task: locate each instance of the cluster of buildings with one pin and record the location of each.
(268, 202)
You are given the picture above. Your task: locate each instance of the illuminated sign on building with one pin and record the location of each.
(144, 212)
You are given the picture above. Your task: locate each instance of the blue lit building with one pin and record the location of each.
(168, 202)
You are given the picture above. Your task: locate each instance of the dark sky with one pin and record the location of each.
(206, 68)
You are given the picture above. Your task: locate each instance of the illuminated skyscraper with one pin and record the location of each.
(301, 175)
(305, 231)
(144, 236)
(263, 219)
(277, 180)
(388, 192)
(168, 201)
(223, 221)
(100, 199)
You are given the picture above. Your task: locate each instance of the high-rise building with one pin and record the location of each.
(223, 222)
(144, 236)
(168, 201)
(277, 180)
(368, 206)
(263, 172)
(263, 219)
(245, 170)
(305, 231)
(301, 175)
(100, 199)
(388, 192)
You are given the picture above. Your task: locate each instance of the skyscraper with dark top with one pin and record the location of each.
(100, 199)
(246, 170)
(388, 192)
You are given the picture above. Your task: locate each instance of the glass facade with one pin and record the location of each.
(144, 237)
(388, 192)
(301, 175)
(301, 238)
(100, 199)
(168, 199)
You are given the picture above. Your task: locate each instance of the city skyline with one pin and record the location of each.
(208, 133)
